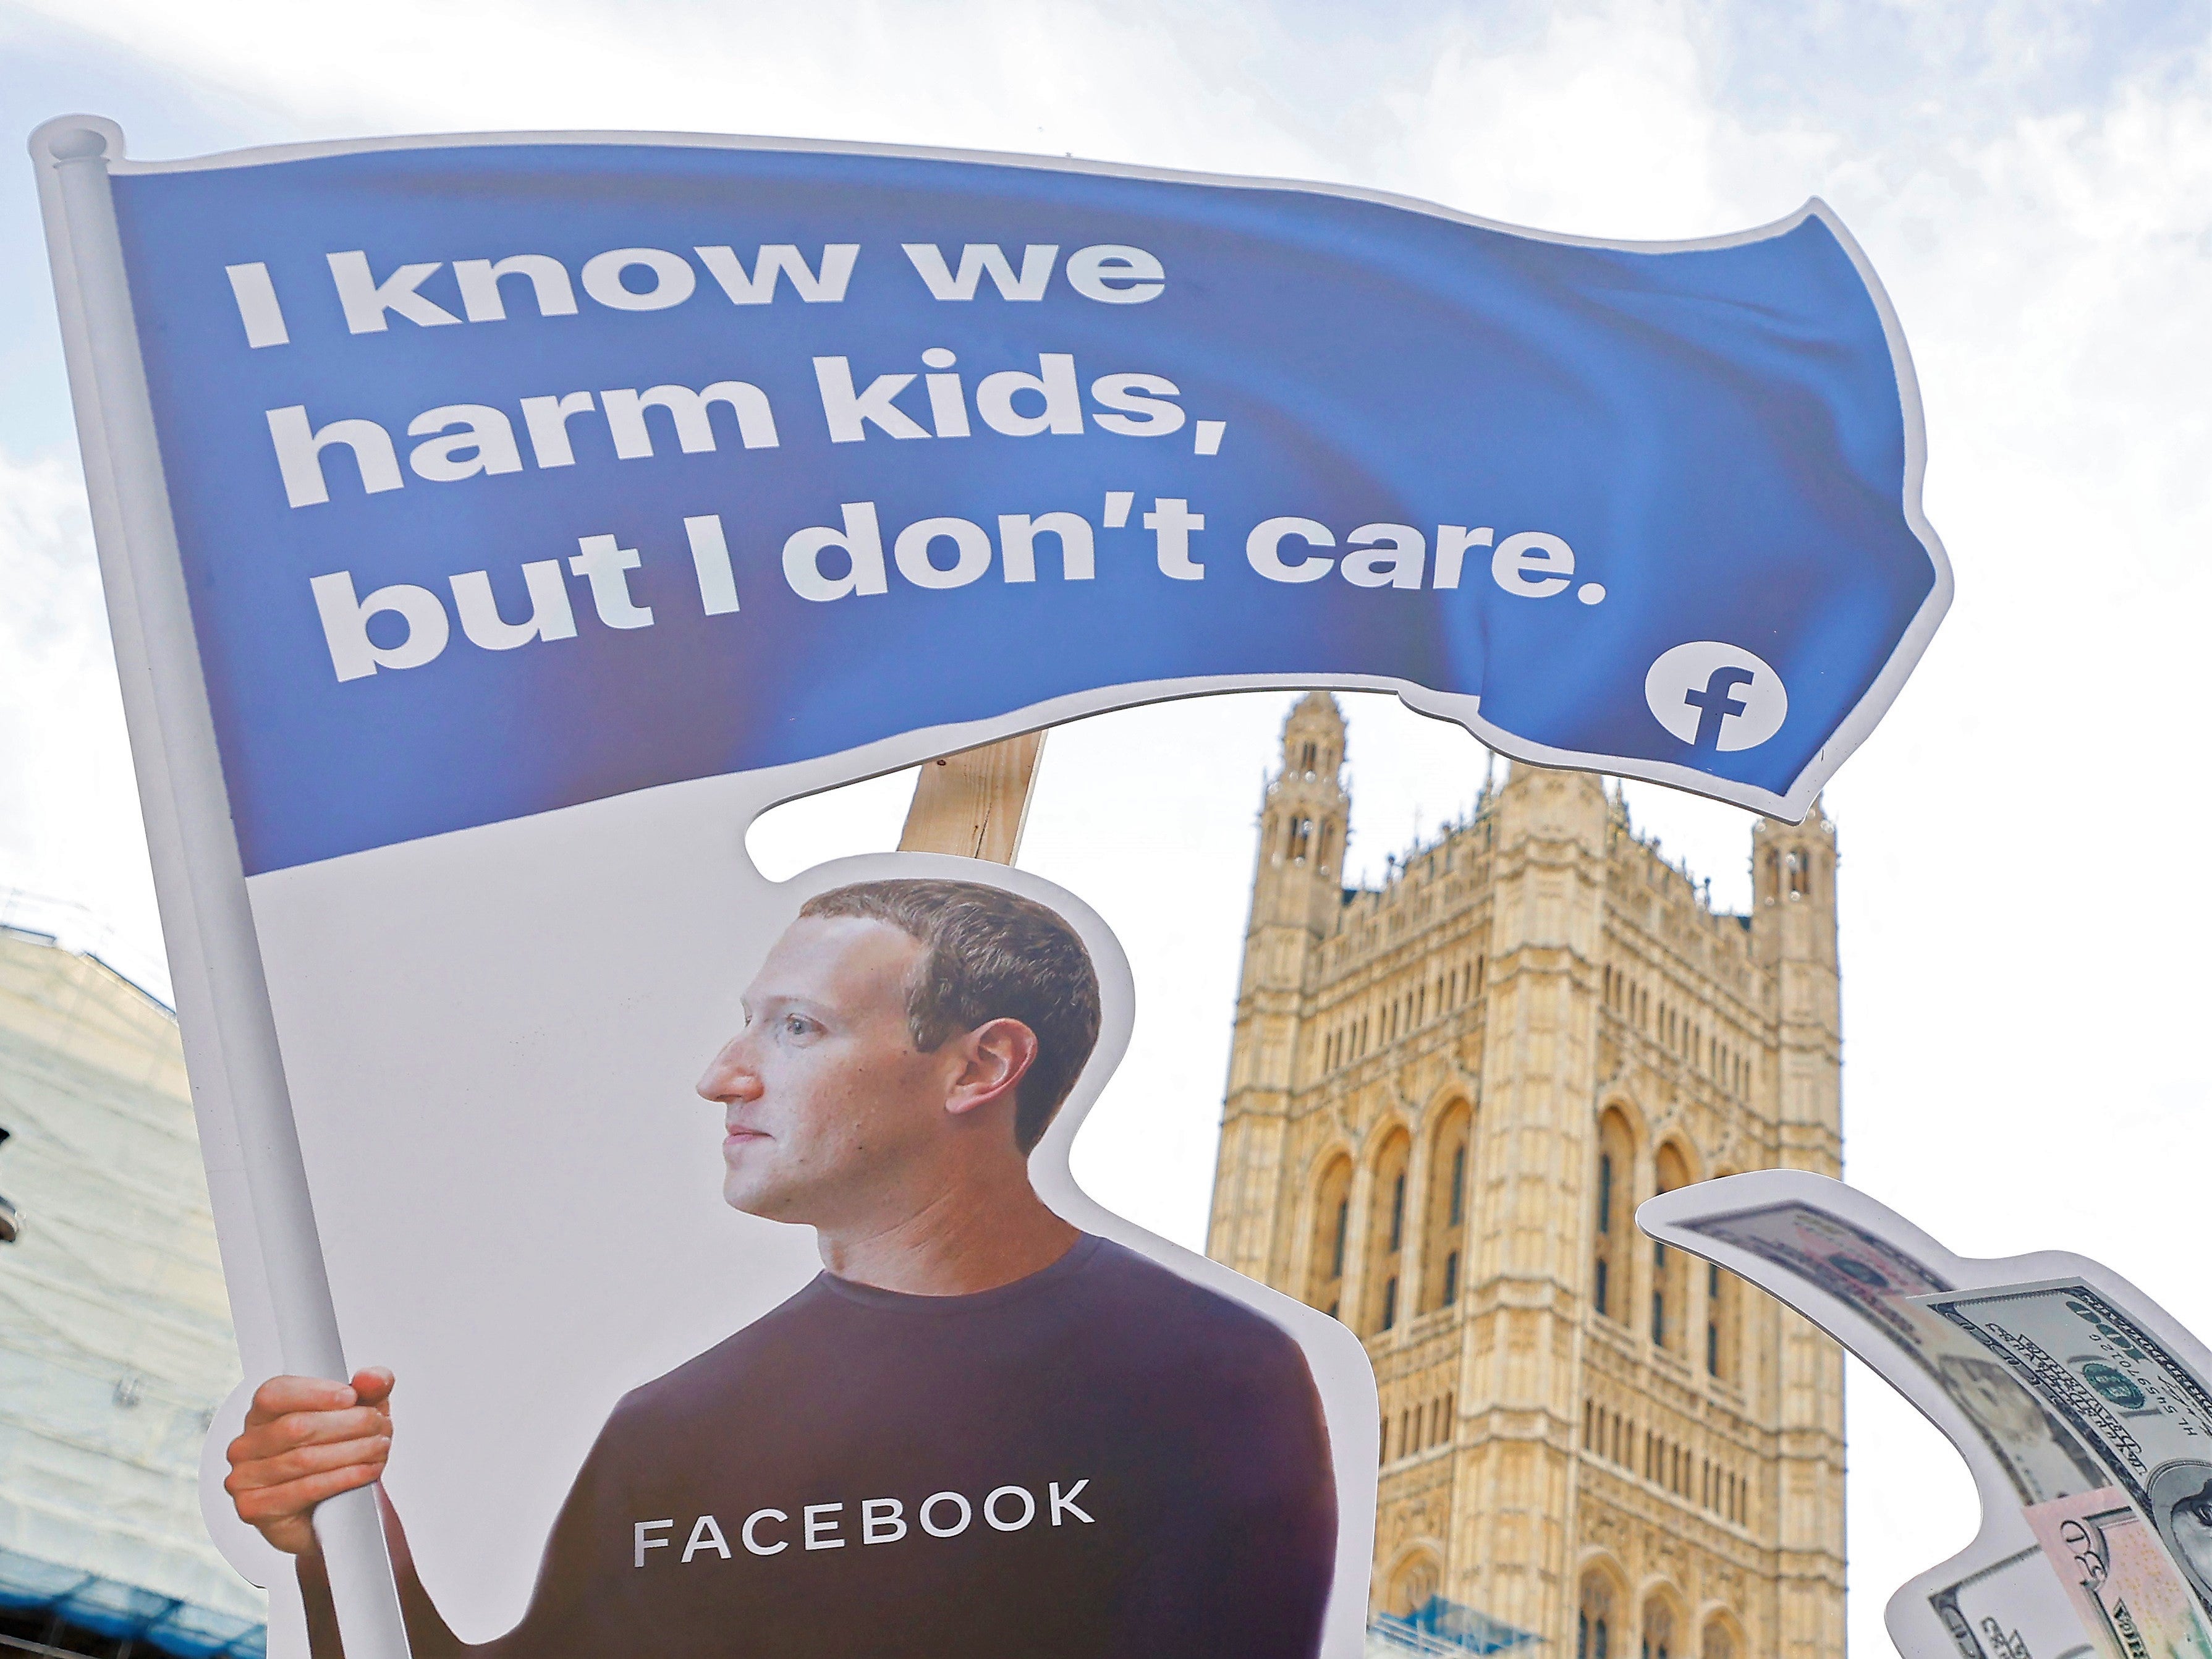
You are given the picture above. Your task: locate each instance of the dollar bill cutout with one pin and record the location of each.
(2079, 1403)
(2145, 1415)
(2121, 1582)
(2041, 1458)
(2013, 1609)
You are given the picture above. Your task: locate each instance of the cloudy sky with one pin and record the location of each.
(2026, 917)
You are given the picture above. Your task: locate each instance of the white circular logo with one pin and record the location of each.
(1716, 697)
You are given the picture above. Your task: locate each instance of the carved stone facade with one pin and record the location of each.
(1446, 1097)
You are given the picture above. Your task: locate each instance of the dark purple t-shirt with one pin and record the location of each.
(1103, 1461)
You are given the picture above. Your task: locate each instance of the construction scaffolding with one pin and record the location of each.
(1439, 1629)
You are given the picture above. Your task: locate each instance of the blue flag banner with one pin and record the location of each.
(513, 473)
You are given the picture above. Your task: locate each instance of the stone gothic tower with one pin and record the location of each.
(1793, 931)
(1296, 891)
(1446, 1095)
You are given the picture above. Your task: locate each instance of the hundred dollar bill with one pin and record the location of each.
(2123, 1585)
(2013, 1609)
(2144, 1414)
(2042, 1459)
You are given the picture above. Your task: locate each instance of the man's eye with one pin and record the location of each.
(797, 1025)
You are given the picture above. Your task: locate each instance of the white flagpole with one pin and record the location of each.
(223, 998)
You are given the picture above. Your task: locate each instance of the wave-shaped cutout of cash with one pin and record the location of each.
(2082, 1407)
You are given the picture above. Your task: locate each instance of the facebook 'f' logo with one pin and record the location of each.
(1716, 697)
(1716, 702)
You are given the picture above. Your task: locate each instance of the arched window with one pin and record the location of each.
(1444, 1229)
(1594, 1620)
(1723, 1324)
(1414, 1586)
(1658, 1630)
(1386, 1249)
(1670, 1269)
(1717, 1643)
(1616, 1158)
(1332, 1220)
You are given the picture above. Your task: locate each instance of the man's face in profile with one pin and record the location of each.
(829, 1109)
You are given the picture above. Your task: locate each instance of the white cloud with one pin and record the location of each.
(68, 814)
(995, 74)
(1600, 126)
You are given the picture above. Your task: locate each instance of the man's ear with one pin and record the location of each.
(994, 1057)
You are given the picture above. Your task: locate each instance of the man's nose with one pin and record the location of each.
(730, 1074)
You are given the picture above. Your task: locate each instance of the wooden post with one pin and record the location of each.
(974, 804)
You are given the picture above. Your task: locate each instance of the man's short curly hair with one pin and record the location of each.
(989, 954)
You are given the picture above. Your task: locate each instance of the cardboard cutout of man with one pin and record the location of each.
(977, 1433)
